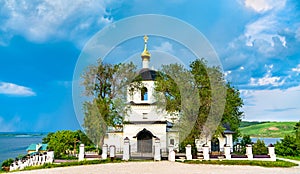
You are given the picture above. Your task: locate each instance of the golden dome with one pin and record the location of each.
(145, 53)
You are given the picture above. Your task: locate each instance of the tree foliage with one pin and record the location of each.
(176, 83)
(64, 140)
(287, 146)
(246, 140)
(290, 144)
(259, 148)
(61, 141)
(107, 85)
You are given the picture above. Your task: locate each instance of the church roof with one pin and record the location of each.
(148, 74)
(227, 129)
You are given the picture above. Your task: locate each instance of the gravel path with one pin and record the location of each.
(164, 167)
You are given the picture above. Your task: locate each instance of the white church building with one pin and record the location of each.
(143, 124)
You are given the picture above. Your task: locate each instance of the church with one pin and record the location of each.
(143, 125)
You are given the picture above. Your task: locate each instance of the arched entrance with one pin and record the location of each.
(144, 141)
(215, 145)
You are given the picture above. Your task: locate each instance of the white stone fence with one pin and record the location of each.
(205, 155)
(227, 154)
(33, 160)
(110, 151)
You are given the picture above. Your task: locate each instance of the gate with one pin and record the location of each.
(144, 145)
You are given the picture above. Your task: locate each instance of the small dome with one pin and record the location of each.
(145, 53)
(148, 74)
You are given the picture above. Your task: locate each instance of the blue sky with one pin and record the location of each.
(257, 42)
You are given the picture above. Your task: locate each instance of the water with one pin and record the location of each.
(267, 140)
(14, 144)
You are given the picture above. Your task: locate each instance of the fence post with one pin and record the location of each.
(157, 155)
(205, 152)
(249, 151)
(227, 151)
(126, 149)
(272, 154)
(81, 152)
(112, 152)
(171, 156)
(104, 151)
(188, 152)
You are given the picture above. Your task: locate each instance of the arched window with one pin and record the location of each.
(144, 94)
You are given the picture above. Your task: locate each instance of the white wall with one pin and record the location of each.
(115, 138)
(136, 97)
(131, 130)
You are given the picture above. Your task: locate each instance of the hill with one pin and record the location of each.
(267, 129)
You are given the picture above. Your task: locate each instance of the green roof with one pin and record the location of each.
(32, 147)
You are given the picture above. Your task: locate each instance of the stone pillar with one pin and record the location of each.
(157, 155)
(249, 151)
(272, 154)
(104, 151)
(126, 149)
(188, 152)
(81, 152)
(227, 151)
(206, 152)
(50, 157)
(12, 167)
(112, 151)
(171, 148)
(171, 156)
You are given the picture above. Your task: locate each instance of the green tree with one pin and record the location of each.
(297, 133)
(176, 83)
(61, 141)
(259, 148)
(107, 85)
(287, 146)
(246, 140)
(47, 138)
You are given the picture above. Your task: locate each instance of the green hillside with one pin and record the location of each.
(267, 129)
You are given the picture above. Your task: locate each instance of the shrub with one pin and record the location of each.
(7, 162)
(259, 148)
(287, 146)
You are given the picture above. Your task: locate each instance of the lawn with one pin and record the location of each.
(290, 157)
(268, 129)
(277, 163)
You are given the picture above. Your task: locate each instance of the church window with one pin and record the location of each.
(172, 141)
(144, 115)
(144, 94)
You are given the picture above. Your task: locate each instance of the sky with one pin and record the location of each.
(257, 42)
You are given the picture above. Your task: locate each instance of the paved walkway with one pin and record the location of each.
(164, 167)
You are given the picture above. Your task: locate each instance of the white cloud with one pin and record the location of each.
(264, 5)
(265, 28)
(14, 89)
(297, 69)
(276, 104)
(42, 20)
(165, 47)
(268, 79)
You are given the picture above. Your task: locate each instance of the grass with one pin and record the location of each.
(277, 163)
(73, 163)
(78, 163)
(290, 157)
(268, 129)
